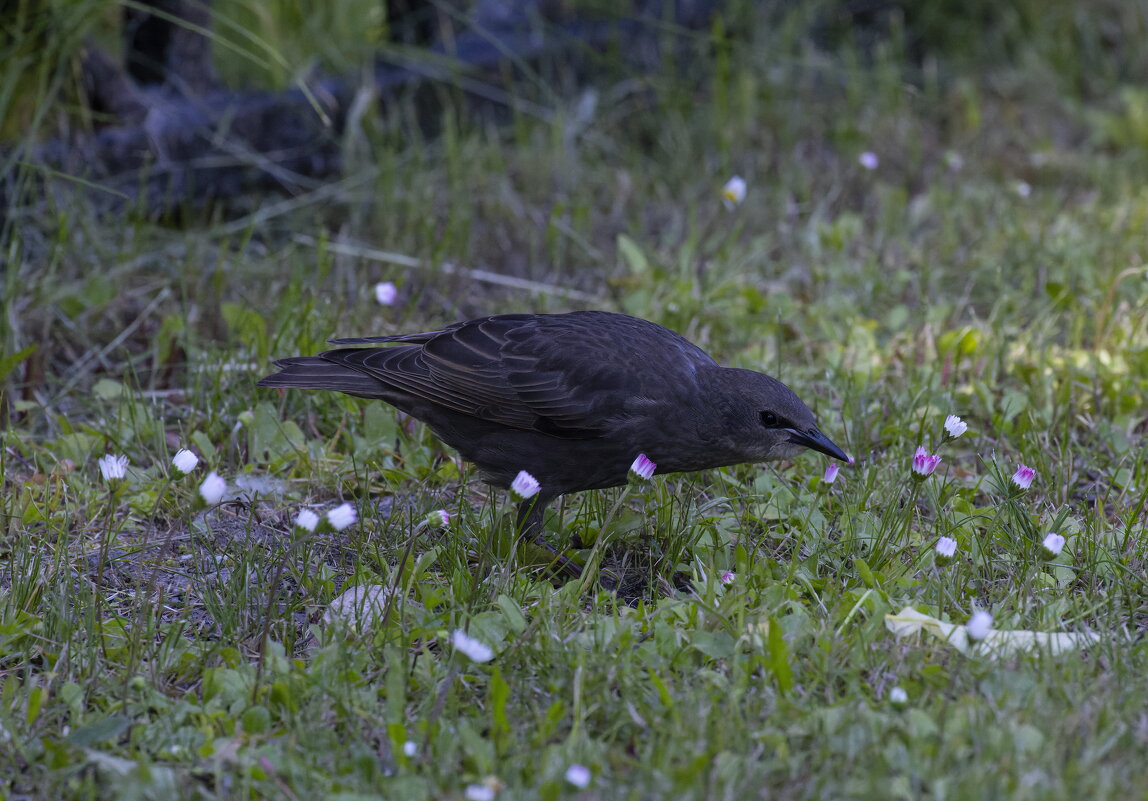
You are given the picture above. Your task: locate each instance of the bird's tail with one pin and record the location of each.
(311, 372)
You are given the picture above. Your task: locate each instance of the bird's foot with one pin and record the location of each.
(606, 577)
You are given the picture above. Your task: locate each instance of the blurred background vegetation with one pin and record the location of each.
(591, 147)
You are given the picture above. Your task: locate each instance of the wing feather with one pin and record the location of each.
(570, 375)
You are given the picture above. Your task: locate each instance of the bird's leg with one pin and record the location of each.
(530, 513)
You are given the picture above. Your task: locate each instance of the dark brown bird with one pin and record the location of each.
(570, 398)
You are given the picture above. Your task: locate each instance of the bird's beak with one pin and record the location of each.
(814, 439)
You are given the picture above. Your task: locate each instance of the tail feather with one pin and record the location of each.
(421, 338)
(310, 372)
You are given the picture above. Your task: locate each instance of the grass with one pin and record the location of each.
(990, 266)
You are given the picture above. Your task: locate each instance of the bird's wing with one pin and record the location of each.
(567, 375)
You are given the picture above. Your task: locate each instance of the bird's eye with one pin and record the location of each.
(769, 420)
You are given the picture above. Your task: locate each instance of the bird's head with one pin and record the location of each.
(765, 420)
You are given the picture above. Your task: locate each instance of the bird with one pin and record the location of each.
(572, 399)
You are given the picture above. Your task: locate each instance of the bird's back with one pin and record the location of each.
(566, 375)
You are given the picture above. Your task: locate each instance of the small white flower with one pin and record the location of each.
(898, 696)
(955, 426)
(342, 516)
(212, 488)
(1053, 544)
(643, 468)
(184, 461)
(479, 792)
(979, 625)
(946, 549)
(868, 160)
(727, 577)
(1023, 476)
(1022, 188)
(112, 467)
(524, 486)
(923, 463)
(954, 161)
(306, 520)
(474, 649)
(410, 748)
(831, 471)
(386, 293)
(579, 776)
(733, 193)
(439, 518)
